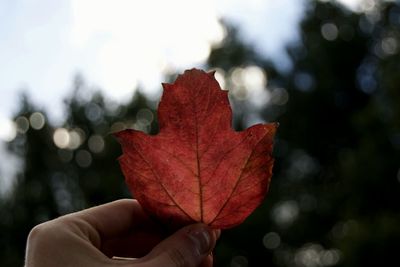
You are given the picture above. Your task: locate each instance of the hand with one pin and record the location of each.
(93, 237)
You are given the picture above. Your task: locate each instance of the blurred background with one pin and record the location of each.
(74, 71)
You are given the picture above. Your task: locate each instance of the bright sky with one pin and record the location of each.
(117, 44)
(121, 43)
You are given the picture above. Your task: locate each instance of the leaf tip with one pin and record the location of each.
(166, 86)
(212, 73)
(273, 128)
(121, 135)
(117, 134)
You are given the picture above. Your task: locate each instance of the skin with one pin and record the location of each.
(117, 234)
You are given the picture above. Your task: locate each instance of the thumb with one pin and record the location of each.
(188, 247)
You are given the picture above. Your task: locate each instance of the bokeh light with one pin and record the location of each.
(96, 143)
(284, 213)
(329, 31)
(59, 183)
(239, 261)
(76, 138)
(271, 240)
(8, 129)
(71, 139)
(83, 158)
(314, 255)
(117, 126)
(37, 120)
(93, 112)
(304, 81)
(254, 78)
(343, 228)
(61, 137)
(302, 165)
(279, 96)
(22, 124)
(389, 45)
(145, 116)
(250, 84)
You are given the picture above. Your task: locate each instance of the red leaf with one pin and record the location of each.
(197, 169)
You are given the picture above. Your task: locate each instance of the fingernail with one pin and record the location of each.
(202, 239)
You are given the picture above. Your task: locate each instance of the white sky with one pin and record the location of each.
(116, 44)
(121, 43)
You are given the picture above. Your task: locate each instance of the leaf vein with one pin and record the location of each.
(237, 182)
(162, 185)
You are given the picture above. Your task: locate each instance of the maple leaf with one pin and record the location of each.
(197, 168)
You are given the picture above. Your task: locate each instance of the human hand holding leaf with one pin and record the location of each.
(197, 168)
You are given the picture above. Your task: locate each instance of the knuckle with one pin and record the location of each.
(47, 233)
(37, 232)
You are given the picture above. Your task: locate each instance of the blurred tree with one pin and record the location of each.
(68, 167)
(335, 192)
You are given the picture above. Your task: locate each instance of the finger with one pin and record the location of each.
(188, 247)
(108, 221)
(134, 245)
(207, 262)
(114, 218)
